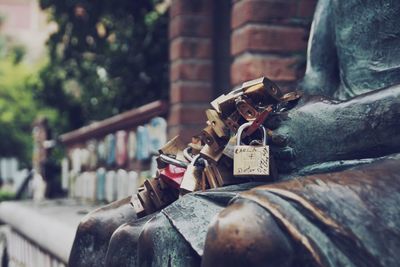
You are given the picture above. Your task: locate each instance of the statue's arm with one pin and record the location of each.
(322, 72)
(318, 130)
(369, 124)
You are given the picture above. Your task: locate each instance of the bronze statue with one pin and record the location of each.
(340, 218)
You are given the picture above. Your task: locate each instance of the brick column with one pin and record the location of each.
(269, 38)
(191, 69)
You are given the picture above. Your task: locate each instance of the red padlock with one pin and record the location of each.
(172, 175)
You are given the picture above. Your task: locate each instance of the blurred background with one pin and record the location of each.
(79, 77)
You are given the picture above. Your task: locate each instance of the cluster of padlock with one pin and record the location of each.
(217, 157)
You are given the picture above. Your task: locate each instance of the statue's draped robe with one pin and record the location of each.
(347, 218)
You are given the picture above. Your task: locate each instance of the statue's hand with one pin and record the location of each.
(303, 135)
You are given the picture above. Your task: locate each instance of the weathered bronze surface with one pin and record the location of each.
(348, 218)
(95, 230)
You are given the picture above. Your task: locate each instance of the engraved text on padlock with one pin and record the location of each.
(250, 160)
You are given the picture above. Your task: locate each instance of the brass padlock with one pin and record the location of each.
(263, 90)
(225, 104)
(159, 196)
(251, 161)
(230, 147)
(210, 138)
(210, 175)
(137, 206)
(209, 154)
(192, 179)
(246, 109)
(232, 121)
(146, 202)
(173, 146)
(216, 123)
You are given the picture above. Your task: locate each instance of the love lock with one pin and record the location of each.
(249, 160)
(173, 172)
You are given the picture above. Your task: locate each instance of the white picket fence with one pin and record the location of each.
(23, 253)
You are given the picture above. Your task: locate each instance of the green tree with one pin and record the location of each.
(105, 57)
(18, 107)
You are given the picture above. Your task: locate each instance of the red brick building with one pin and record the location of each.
(216, 45)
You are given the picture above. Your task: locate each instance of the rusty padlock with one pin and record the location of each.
(251, 161)
(159, 194)
(137, 206)
(246, 108)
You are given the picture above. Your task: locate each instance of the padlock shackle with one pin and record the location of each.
(187, 155)
(173, 161)
(247, 125)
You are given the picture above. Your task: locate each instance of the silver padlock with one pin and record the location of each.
(251, 161)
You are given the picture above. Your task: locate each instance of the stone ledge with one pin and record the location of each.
(51, 224)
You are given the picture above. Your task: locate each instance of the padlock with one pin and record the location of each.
(210, 176)
(230, 147)
(211, 155)
(173, 146)
(223, 174)
(262, 90)
(210, 138)
(225, 104)
(159, 196)
(172, 175)
(146, 202)
(251, 161)
(192, 179)
(232, 121)
(217, 124)
(246, 108)
(262, 116)
(137, 206)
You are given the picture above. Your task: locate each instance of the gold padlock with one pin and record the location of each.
(246, 109)
(173, 146)
(232, 121)
(211, 139)
(225, 104)
(251, 161)
(209, 154)
(210, 175)
(216, 123)
(192, 178)
(262, 89)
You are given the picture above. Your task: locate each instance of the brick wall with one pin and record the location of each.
(191, 65)
(267, 38)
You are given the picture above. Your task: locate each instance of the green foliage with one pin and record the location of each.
(18, 108)
(105, 57)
